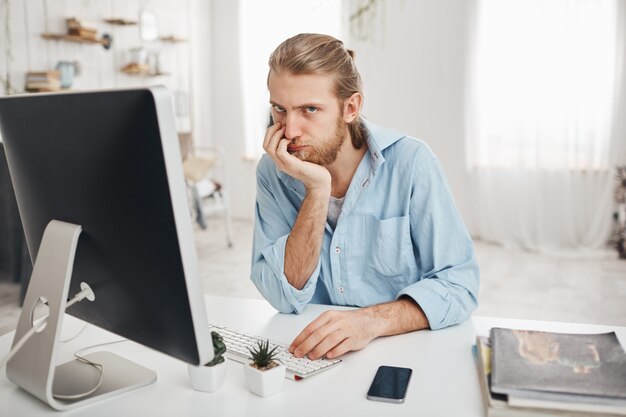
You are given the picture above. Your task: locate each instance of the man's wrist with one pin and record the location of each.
(400, 316)
(320, 183)
(319, 191)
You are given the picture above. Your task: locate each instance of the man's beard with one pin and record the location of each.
(326, 153)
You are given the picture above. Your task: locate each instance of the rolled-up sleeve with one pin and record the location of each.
(273, 222)
(447, 289)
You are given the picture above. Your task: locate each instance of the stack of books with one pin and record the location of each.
(43, 81)
(82, 28)
(532, 373)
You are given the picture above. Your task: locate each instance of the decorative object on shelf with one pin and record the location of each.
(148, 29)
(365, 19)
(83, 28)
(619, 236)
(154, 62)
(120, 22)
(264, 375)
(210, 377)
(143, 62)
(43, 81)
(68, 70)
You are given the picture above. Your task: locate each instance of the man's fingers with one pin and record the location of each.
(343, 347)
(330, 342)
(270, 132)
(310, 335)
(282, 154)
(274, 140)
(321, 320)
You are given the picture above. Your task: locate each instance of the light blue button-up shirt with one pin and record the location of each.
(399, 234)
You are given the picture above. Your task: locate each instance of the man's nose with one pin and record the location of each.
(292, 128)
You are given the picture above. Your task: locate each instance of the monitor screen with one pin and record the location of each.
(109, 161)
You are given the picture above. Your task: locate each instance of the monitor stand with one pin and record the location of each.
(33, 367)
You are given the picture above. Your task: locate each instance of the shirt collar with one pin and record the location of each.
(379, 139)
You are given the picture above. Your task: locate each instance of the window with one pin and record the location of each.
(542, 84)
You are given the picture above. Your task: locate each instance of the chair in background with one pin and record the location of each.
(206, 177)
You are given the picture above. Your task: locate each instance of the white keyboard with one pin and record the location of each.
(237, 345)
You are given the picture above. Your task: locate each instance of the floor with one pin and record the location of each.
(514, 283)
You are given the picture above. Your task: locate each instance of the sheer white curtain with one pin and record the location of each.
(542, 99)
(264, 25)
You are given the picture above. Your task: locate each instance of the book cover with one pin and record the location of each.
(500, 405)
(580, 364)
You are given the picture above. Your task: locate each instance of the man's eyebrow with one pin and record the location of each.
(301, 106)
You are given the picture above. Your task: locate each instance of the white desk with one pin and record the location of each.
(444, 381)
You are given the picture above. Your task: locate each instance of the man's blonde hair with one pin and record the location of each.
(311, 53)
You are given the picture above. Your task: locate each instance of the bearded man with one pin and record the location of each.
(349, 213)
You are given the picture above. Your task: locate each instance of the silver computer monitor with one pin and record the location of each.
(109, 162)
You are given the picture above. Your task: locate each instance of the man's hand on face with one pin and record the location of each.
(313, 176)
(334, 333)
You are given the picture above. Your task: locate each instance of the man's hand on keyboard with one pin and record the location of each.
(334, 333)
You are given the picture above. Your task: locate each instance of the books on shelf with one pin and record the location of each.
(81, 27)
(43, 81)
(84, 33)
(528, 373)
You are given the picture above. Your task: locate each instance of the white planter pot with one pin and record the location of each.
(207, 378)
(264, 383)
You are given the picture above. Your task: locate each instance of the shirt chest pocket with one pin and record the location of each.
(390, 249)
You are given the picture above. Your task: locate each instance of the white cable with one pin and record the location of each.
(69, 339)
(96, 365)
(86, 292)
(99, 367)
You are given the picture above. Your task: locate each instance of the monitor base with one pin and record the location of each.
(34, 367)
(119, 375)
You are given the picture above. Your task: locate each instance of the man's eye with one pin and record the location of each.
(278, 109)
(311, 109)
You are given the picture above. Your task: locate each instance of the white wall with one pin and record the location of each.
(201, 91)
(227, 107)
(413, 74)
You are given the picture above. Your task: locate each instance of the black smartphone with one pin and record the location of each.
(390, 384)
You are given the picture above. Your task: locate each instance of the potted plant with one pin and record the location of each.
(264, 375)
(210, 377)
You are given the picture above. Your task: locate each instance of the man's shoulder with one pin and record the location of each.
(266, 166)
(396, 145)
(409, 148)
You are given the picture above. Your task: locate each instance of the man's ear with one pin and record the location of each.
(352, 107)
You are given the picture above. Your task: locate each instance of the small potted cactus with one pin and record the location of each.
(264, 375)
(210, 377)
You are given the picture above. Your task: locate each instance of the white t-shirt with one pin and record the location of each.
(334, 209)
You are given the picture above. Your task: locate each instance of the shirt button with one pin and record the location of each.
(341, 290)
(337, 250)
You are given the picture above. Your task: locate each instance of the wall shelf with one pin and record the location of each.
(172, 39)
(120, 22)
(141, 71)
(105, 41)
